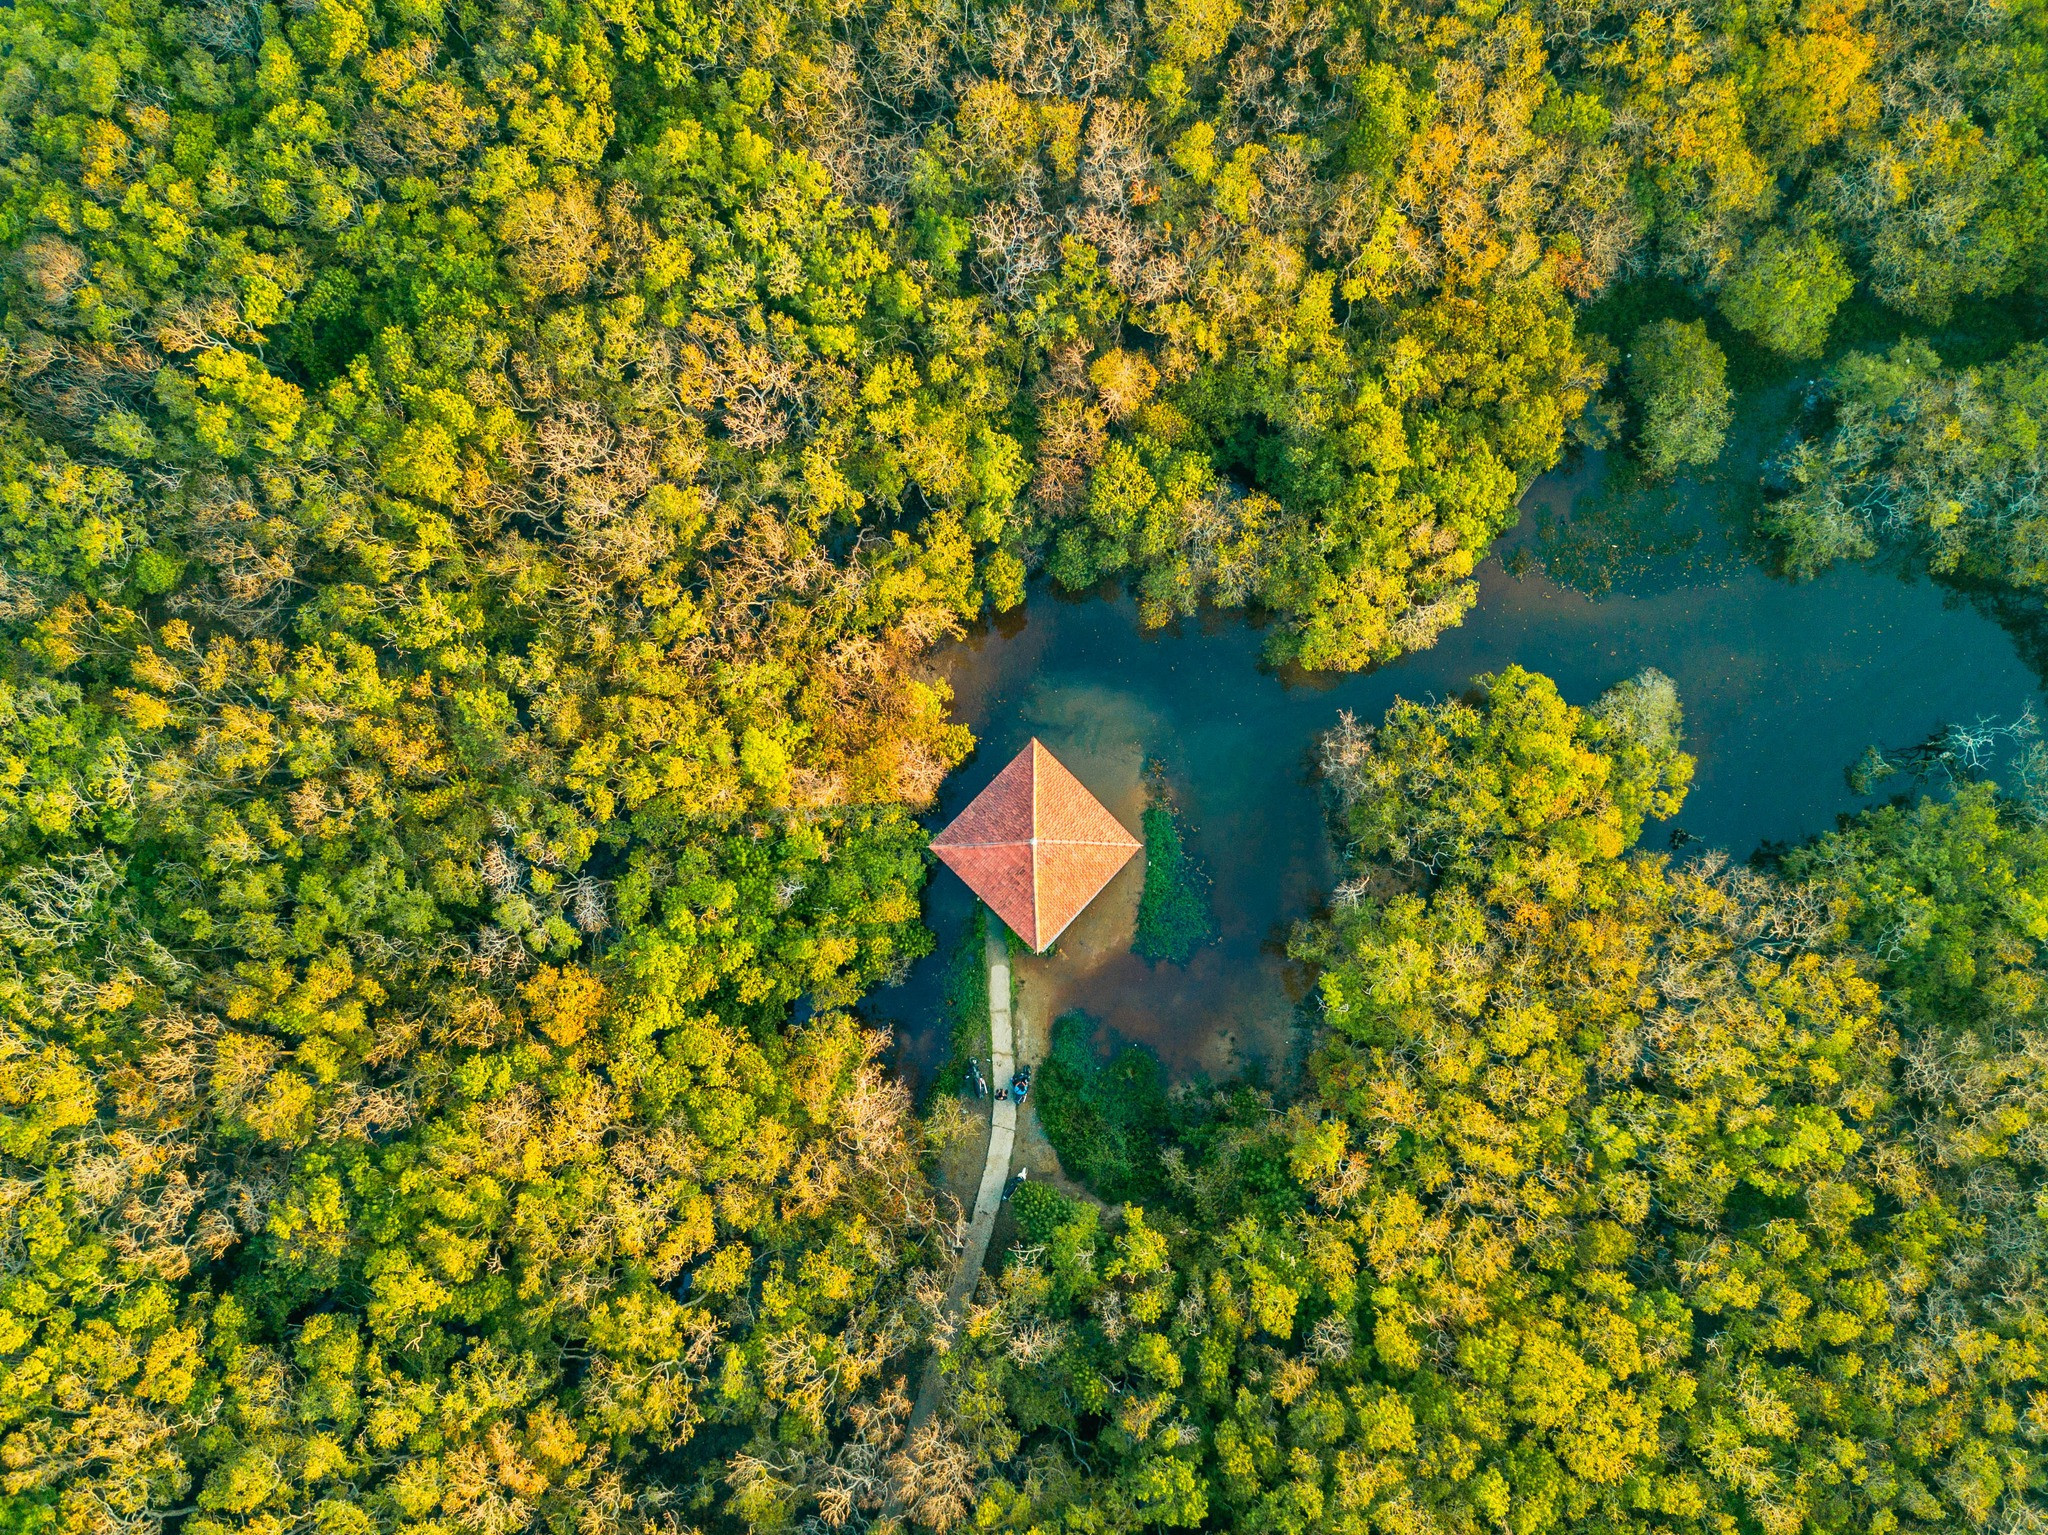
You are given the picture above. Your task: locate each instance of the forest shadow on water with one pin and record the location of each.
(1784, 685)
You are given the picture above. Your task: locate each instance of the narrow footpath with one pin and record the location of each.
(995, 1171)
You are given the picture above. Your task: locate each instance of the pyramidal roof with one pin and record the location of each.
(1036, 846)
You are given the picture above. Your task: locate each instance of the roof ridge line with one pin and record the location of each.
(1034, 751)
(1048, 854)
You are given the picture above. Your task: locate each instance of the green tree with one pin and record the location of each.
(1510, 784)
(1785, 290)
(1943, 461)
(1678, 379)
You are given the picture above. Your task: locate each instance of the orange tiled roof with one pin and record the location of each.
(1035, 845)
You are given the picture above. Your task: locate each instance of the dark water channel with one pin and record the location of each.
(1783, 686)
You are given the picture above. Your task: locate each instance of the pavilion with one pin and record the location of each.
(1036, 846)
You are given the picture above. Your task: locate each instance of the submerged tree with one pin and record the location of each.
(1949, 463)
(1678, 379)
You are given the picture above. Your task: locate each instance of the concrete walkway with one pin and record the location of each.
(995, 1171)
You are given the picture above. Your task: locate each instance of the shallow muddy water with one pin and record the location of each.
(1783, 686)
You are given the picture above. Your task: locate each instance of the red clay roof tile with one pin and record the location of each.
(1035, 845)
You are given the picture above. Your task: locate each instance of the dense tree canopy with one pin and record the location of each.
(457, 483)
(476, 481)
(1647, 1198)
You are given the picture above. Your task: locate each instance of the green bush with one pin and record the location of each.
(1040, 1210)
(1108, 1120)
(1174, 918)
(966, 1004)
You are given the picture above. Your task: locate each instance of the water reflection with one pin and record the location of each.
(1783, 687)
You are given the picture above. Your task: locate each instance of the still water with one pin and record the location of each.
(1783, 686)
